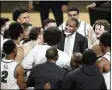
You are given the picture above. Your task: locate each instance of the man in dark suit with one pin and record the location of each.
(73, 42)
(57, 7)
(47, 72)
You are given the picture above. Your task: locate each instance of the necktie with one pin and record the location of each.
(67, 45)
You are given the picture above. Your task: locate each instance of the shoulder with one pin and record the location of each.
(36, 49)
(107, 56)
(74, 74)
(102, 61)
(63, 54)
(79, 36)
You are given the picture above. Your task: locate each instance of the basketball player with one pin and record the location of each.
(11, 72)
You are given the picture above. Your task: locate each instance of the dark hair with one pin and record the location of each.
(26, 25)
(105, 39)
(6, 33)
(76, 60)
(51, 53)
(3, 20)
(35, 31)
(15, 29)
(73, 9)
(75, 20)
(18, 11)
(103, 22)
(52, 36)
(47, 21)
(89, 57)
(9, 46)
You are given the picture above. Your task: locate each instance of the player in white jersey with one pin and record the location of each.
(104, 63)
(12, 74)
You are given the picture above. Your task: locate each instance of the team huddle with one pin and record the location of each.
(72, 55)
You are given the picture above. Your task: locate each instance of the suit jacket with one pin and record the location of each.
(80, 43)
(46, 72)
(86, 77)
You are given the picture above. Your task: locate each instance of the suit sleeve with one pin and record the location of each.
(103, 85)
(67, 83)
(85, 44)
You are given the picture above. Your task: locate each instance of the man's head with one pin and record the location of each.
(4, 24)
(105, 41)
(52, 36)
(36, 33)
(26, 29)
(76, 59)
(100, 27)
(16, 31)
(9, 48)
(71, 25)
(21, 15)
(89, 57)
(52, 54)
(73, 12)
(49, 23)
(6, 34)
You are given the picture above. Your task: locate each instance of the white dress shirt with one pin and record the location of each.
(71, 44)
(37, 56)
